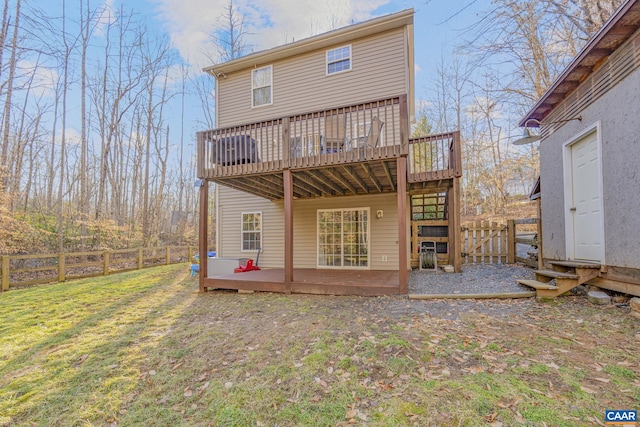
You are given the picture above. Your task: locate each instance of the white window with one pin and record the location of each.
(251, 231)
(339, 59)
(262, 86)
(343, 238)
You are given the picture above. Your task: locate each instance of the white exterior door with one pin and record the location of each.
(585, 201)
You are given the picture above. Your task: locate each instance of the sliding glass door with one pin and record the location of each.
(343, 238)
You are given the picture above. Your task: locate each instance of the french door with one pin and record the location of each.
(343, 238)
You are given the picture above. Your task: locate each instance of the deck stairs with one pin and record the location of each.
(563, 276)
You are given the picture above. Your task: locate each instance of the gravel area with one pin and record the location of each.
(474, 279)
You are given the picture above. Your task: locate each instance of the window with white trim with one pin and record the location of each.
(251, 231)
(262, 86)
(339, 60)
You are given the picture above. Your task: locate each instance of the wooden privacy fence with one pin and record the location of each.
(485, 242)
(26, 270)
(492, 243)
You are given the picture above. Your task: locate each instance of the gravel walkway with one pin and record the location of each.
(474, 279)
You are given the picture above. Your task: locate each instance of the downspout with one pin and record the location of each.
(215, 188)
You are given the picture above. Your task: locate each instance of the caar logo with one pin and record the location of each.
(621, 418)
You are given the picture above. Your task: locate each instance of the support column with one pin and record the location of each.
(204, 232)
(403, 260)
(455, 238)
(288, 229)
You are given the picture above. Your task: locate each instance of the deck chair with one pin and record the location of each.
(335, 133)
(373, 136)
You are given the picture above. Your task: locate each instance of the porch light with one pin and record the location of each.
(528, 137)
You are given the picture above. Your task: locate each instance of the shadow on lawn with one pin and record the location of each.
(68, 377)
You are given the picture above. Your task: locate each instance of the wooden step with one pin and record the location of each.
(575, 264)
(536, 284)
(555, 274)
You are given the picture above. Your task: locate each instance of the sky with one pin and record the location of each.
(189, 24)
(437, 23)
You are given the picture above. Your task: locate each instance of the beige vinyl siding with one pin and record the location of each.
(231, 205)
(384, 231)
(380, 69)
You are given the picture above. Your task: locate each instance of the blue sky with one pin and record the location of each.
(189, 23)
(438, 23)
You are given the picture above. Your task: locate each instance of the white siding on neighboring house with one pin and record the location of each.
(384, 231)
(380, 69)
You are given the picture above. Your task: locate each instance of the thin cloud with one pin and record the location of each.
(269, 23)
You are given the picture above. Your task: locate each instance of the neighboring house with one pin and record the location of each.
(590, 162)
(314, 167)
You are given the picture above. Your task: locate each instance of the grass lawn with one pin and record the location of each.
(143, 348)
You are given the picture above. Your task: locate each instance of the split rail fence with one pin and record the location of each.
(26, 270)
(487, 242)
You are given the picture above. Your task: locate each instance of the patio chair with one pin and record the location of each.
(334, 138)
(373, 136)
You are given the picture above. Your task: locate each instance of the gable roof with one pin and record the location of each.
(320, 41)
(622, 24)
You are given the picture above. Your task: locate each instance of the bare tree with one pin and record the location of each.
(230, 35)
(4, 150)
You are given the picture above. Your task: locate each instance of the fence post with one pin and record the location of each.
(168, 256)
(61, 267)
(139, 258)
(511, 241)
(189, 255)
(105, 266)
(539, 232)
(5, 273)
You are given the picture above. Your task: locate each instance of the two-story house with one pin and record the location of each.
(315, 169)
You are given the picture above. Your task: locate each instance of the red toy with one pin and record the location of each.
(248, 267)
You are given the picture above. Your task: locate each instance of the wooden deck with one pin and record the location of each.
(344, 151)
(333, 152)
(312, 281)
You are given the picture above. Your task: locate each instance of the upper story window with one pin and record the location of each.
(339, 59)
(262, 86)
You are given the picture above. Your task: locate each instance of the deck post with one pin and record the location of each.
(403, 260)
(288, 229)
(286, 142)
(204, 232)
(404, 125)
(455, 238)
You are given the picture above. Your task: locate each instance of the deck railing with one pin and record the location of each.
(435, 157)
(360, 132)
